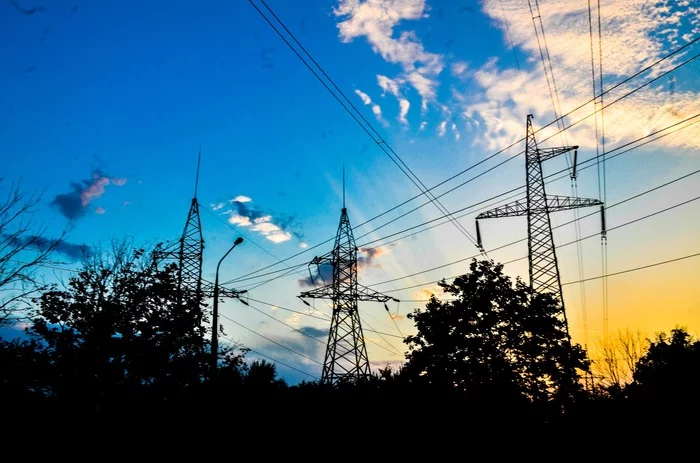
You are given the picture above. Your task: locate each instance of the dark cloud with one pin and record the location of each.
(323, 275)
(39, 243)
(73, 205)
(244, 210)
(315, 332)
(26, 11)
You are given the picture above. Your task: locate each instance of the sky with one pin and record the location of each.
(105, 106)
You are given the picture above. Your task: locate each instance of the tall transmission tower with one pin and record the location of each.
(346, 354)
(188, 252)
(189, 249)
(542, 256)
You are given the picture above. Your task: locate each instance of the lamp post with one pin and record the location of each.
(215, 314)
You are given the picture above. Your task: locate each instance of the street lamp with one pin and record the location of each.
(215, 314)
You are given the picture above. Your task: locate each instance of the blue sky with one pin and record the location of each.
(118, 96)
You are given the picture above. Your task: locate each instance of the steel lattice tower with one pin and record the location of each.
(190, 250)
(346, 354)
(542, 256)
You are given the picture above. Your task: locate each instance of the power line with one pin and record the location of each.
(637, 268)
(378, 140)
(313, 316)
(558, 226)
(590, 160)
(271, 340)
(238, 344)
(660, 60)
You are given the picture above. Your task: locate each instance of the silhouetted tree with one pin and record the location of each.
(263, 374)
(618, 357)
(118, 331)
(23, 248)
(495, 340)
(669, 371)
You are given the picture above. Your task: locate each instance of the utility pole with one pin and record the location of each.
(346, 354)
(188, 252)
(542, 256)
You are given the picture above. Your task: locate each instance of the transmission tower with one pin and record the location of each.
(542, 256)
(346, 355)
(188, 252)
(189, 249)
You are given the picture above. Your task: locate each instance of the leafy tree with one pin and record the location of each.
(118, 331)
(669, 370)
(495, 340)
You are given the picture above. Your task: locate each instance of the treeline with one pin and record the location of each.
(119, 338)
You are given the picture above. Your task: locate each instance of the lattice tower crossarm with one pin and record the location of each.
(346, 354)
(542, 256)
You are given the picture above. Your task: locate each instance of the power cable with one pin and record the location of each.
(378, 140)
(524, 239)
(590, 160)
(558, 226)
(624, 81)
(238, 344)
(271, 340)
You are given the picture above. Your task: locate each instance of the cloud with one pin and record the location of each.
(423, 125)
(364, 97)
(370, 255)
(293, 319)
(442, 128)
(39, 243)
(377, 110)
(427, 292)
(244, 215)
(322, 275)
(118, 181)
(375, 20)
(303, 245)
(314, 332)
(635, 34)
(388, 85)
(459, 68)
(216, 206)
(404, 106)
(455, 131)
(73, 205)
(100, 210)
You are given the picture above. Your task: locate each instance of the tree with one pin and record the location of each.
(118, 331)
(669, 371)
(23, 248)
(495, 340)
(619, 355)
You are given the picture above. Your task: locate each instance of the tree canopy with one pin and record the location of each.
(495, 338)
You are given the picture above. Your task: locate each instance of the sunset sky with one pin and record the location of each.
(104, 106)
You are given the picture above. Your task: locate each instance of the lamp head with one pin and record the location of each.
(238, 241)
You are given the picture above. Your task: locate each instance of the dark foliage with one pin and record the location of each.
(496, 341)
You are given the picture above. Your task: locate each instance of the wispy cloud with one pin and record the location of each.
(442, 128)
(635, 34)
(364, 97)
(73, 205)
(404, 106)
(244, 215)
(40, 243)
(388, 85)
(375, 20)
